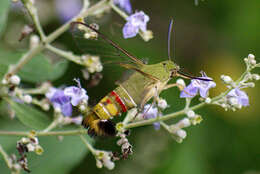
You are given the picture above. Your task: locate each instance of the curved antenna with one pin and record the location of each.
(169, 38)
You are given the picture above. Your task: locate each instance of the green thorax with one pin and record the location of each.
(138, 85)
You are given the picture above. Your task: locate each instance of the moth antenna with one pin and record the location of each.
(169, 38)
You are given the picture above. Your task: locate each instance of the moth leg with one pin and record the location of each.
(181, 88)
(174, 85)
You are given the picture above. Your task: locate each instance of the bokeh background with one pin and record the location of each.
(214, 37)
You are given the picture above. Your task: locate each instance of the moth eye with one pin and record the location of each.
(164, 64)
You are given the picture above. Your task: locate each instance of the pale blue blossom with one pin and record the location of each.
(151, 112)
(76, 94)
(240, 96)
(67, 9)
(135, 22)
(60, 101)
(197, 86)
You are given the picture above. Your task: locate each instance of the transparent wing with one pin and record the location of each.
(87, 42)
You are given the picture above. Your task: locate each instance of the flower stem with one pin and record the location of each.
(34, 14)
(37, 49)
(6, 157)
(88, 145)
(163, 118)
(68, 55)
(41, 133)
(53, 124)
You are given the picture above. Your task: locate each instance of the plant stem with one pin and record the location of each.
(88, 145)
(37, 49)
(41, 133)
(6, 157)
(53, 124)
(34, 14)
(68, 55)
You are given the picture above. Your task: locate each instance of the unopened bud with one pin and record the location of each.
(15, 80)
(34, 41)
(181, 133)
(27, 99)
(181, 82)
(162, 104)
(226, 79)
(190, 113)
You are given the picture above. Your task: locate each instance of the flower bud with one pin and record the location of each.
(181, 82)
(162, 103)
(208, 100)
(226, 79)
(181, 133)
(27, 99)
(15, 80)
(190, 113)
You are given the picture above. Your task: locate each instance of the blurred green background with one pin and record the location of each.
(214, 37)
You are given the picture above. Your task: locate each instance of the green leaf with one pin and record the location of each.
(3, 70)
(37, 70)
(30, 116)
(4, 7)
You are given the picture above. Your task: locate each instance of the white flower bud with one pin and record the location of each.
(34, 41)
(15, 80)
(233, 101)
(82, 108)
(147, 35)
(45, 106)
(226, 79)
(30, 147)
(181, 133)
(251, 56)
(25, 140)
(184, 123)
(255, 76)
(251, 84)
(252, 61)
(99, 164)
(109, 164)
(190, 113)
(162, 103)
(4, 82)
(27, 99)
(57, 110)
(181, 82)
(208, 100)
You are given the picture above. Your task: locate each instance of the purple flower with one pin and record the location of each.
(60, 101)
(151, 112)
(239, 97)
(67, 9)
(197, 86)
(77, 94)
(124, 5)
(135, 22)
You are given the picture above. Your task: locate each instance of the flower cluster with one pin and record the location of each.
(92, 63)
(126, 147)
(25, 145)
(198, 86)
(236, 98)
(135, 22)
(63, 100)
(104, 158)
